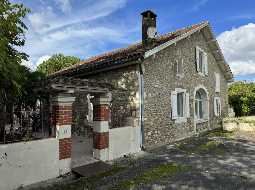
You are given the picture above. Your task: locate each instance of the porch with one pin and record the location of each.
(63, 150)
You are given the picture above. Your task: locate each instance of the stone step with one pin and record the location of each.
(91, 169)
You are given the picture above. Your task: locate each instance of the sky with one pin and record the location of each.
(85, 28)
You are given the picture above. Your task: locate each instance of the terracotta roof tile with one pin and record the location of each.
(124, 52)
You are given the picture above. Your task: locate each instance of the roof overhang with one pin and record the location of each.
(217, 53)
(69, 85)
(100, 66)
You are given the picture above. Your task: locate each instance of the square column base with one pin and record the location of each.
(102, 154)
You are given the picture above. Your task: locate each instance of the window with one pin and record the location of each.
(178, 67)
(201, 105)
(201, 61)
(180, 100)
(180, 105)
(217, 106)
(217, 82)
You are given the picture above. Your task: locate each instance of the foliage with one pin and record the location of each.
(29, 93)
(56, 63)
(163, 170)
(211, 146)
(12, 30)
(220, 133)
(242, 98)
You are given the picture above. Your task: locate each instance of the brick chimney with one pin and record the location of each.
(149, 27)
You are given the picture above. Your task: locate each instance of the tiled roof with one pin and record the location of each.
(120, 56)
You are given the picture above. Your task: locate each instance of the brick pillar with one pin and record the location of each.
(62, 112)
(101, 128)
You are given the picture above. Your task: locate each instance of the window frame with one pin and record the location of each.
(199, 104)
(179, 64)
(205, 105)
(204, 62)
(217, 82)
(180, 115)
(217, 112)
(185, 107)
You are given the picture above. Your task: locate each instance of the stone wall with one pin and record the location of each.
(160, 80)
(125, 102)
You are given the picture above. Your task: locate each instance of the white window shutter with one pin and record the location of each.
(197, 58)
(217, 82)
(217, 108)
(187, 107)
(206, 64)
(206, 110)
(220, 106)
(174, 105)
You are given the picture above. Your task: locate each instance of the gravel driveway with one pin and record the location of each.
(214, 161)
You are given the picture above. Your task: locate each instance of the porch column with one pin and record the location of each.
(101, 128)
(62, 113)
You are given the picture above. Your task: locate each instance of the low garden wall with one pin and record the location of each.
(123, 141)
(25, 163)
(245, 124)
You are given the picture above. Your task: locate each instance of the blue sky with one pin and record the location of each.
(85, 28)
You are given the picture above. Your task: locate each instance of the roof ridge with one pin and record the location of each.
(134, 46)
(184, 28)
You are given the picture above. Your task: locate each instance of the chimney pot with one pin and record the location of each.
(149, 27)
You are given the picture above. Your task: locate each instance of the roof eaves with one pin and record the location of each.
(229, 75)
(99, 65)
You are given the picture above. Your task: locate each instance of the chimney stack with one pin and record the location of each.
(149, 27)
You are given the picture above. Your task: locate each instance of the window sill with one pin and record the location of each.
(201, 120)
(180, 120)
(202, 74)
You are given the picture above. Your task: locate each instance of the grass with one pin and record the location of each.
(220, 133)
(205, 144)
(164, 170)
(247, 119)
(211, 146)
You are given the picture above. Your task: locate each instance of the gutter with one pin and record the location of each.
(141, 103)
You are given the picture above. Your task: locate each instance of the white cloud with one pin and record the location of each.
(40, 21)
(72, 32)
(30, 63)
(47, 18)
(42, 59)
(65, 5)
(239, 48)
(95, 32)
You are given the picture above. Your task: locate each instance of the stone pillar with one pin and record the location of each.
(62, 112)
(101, 128)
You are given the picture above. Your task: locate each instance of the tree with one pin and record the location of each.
(12, 31)
(29, 87)
(242, 98)
(56, 63)
(12, 35)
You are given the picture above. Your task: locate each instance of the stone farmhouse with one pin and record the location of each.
(172, 86)
(161, 90)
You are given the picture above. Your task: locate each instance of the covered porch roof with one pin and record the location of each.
(69, 85)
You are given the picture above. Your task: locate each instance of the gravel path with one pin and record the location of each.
(214, 162)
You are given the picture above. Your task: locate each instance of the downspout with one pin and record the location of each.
(141, 103)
